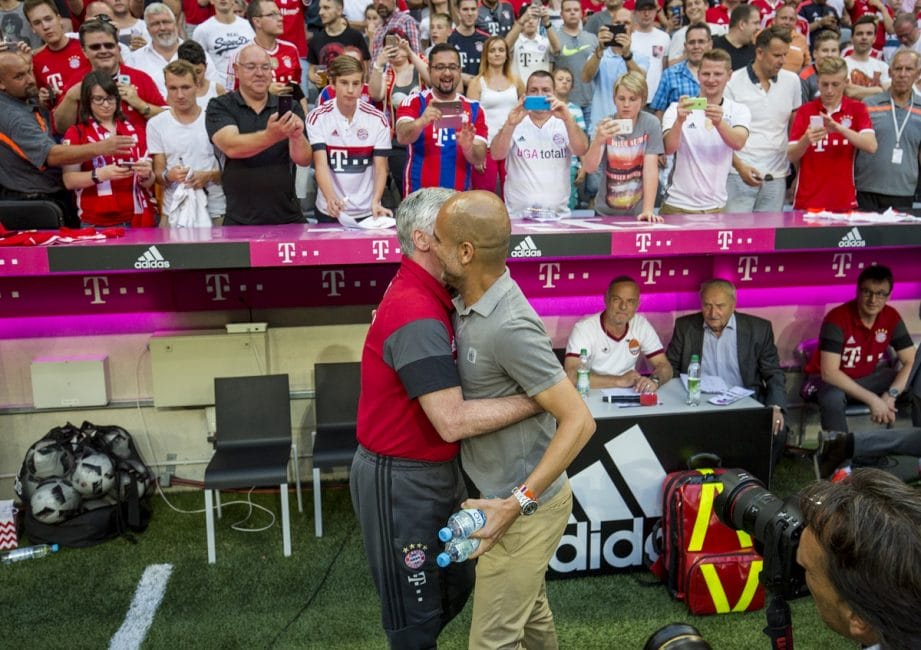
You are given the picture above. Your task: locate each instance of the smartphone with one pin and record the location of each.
(816, 122)
(677, 11)
(617, 29)
(452, 114)
(284, 104)
(130, 164)
(625, 126)
(536, 103)
(697, 104)
(537, 4)
(391, 40)
(123, 79)
(296, 91)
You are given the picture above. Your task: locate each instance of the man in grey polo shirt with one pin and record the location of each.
(503, 349)
(887, 178)
(576, 45)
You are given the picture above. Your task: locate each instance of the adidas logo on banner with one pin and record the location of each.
(852, 239)
(152, 259)
(613, 532)
(526, 248)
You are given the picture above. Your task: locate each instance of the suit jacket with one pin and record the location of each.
(759, 364)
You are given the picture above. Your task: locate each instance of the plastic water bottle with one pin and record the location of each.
(457, 550)
(462, 524)
(582, 374)
(28, 553)
(694, 381)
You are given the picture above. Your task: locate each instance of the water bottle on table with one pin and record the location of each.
(583, 373)
(694, 381)
(462, 524)
(457, 550)
(28, 553)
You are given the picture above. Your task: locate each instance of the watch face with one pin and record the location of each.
(529, 508)
(893, 392)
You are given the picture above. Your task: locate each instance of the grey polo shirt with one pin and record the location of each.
(502, 350)
(877, 172)
(25, 142)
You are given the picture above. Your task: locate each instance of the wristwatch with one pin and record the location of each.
(627, 57)
(655, 380)
(894, 392)
(526, 500)
(94, 176)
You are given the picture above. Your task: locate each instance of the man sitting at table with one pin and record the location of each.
(614, 339)
(738, 348)
(853, 340)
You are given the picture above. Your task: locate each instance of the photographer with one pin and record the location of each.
(861, 552)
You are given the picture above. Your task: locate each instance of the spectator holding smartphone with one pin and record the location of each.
(613, 58)
(110, 190)
(703, 132)
(531, 50)
(825, 135)
(627, 150)
(538, 145)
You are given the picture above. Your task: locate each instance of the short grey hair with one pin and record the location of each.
(157, 8)
(906, 51)
(418, 212)
(718, 283)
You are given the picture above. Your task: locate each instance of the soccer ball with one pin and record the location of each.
(49, 459)
(93, 475)
(54, 501)
(118, 441)
(25, 485)
(128, 471)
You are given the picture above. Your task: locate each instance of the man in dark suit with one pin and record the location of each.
(736, 347)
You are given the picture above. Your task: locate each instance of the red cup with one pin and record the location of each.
(648, 399)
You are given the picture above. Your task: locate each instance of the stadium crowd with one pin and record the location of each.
(271, 112)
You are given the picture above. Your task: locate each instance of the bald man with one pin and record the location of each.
(31, 166)
(503, 349)
(260, 144)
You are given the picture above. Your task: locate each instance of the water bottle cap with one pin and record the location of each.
(445, 534)
(54, 548)
(583, 351)
(695, 357)
(443, 560)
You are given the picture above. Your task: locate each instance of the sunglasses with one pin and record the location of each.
(95, 47)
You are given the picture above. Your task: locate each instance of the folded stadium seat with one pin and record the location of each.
(31, 215)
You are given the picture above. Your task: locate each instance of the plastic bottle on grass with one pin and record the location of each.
(28, 553)
(462, 524)
(583, 374)
(694, 381)
(457, 550)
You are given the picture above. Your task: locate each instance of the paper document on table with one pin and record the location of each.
(708, 383)
(734, 394)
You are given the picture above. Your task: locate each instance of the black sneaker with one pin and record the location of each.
(834, 448)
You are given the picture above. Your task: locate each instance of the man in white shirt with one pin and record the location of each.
(178, 142)
(907, 31)
(537, 146)
(757, 182)
(703, 132)
(222, 35)
(531, 50)
(649, 43)
(866, 76)
(351, 141)
(614, 340)
(163, 46)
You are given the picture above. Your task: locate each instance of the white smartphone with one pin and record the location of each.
(816, 122)
(624, 126)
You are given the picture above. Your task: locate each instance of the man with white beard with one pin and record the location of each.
(163, 47)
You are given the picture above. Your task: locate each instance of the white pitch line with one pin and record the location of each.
(140, 615)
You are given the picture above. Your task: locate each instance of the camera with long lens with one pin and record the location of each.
(676, 636)
(776, 525)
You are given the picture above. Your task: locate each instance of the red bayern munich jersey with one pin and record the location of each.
(52, 69)
(434, 159)
(292, 13)
(861, 347)
(826, 172)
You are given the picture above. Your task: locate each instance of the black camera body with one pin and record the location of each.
(776, 525)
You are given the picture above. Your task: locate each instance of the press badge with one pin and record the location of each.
(897, 156)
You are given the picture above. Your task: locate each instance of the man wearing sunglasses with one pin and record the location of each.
(140, 98)
(852, 343)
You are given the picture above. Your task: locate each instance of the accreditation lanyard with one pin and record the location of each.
(897, 150)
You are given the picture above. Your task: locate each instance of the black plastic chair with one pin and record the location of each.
(31, 215)
(334, 442)
(253, 444)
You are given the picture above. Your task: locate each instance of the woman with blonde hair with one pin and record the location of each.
(626, 147)
(498, 91)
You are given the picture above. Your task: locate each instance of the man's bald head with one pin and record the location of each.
(480, 218)
(16, 78)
